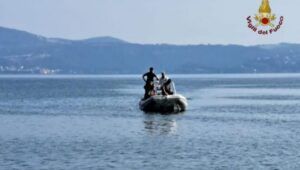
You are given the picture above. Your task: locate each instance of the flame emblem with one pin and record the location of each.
(265, 16)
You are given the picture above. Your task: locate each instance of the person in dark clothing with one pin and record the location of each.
(150, 75)
(149, 80)
(166, 88)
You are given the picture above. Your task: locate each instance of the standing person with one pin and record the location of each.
(149, 80)
(163, 79)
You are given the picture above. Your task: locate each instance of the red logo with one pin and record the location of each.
(265, 20)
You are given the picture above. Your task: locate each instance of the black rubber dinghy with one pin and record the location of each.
(164, 104)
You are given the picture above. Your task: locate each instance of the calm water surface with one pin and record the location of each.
(93, 122)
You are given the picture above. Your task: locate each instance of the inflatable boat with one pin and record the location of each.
(164, 104)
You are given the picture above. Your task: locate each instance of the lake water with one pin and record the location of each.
(93, 122)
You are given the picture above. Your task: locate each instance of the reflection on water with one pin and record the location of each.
(232, 122)
(160, 124)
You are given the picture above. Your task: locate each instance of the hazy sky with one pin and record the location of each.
(150, 21)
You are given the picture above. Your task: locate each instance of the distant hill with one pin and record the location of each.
(103, 40)
(25, 53)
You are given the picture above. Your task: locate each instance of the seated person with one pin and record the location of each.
(166, 88)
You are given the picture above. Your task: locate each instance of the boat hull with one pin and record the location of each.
(164, 104)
